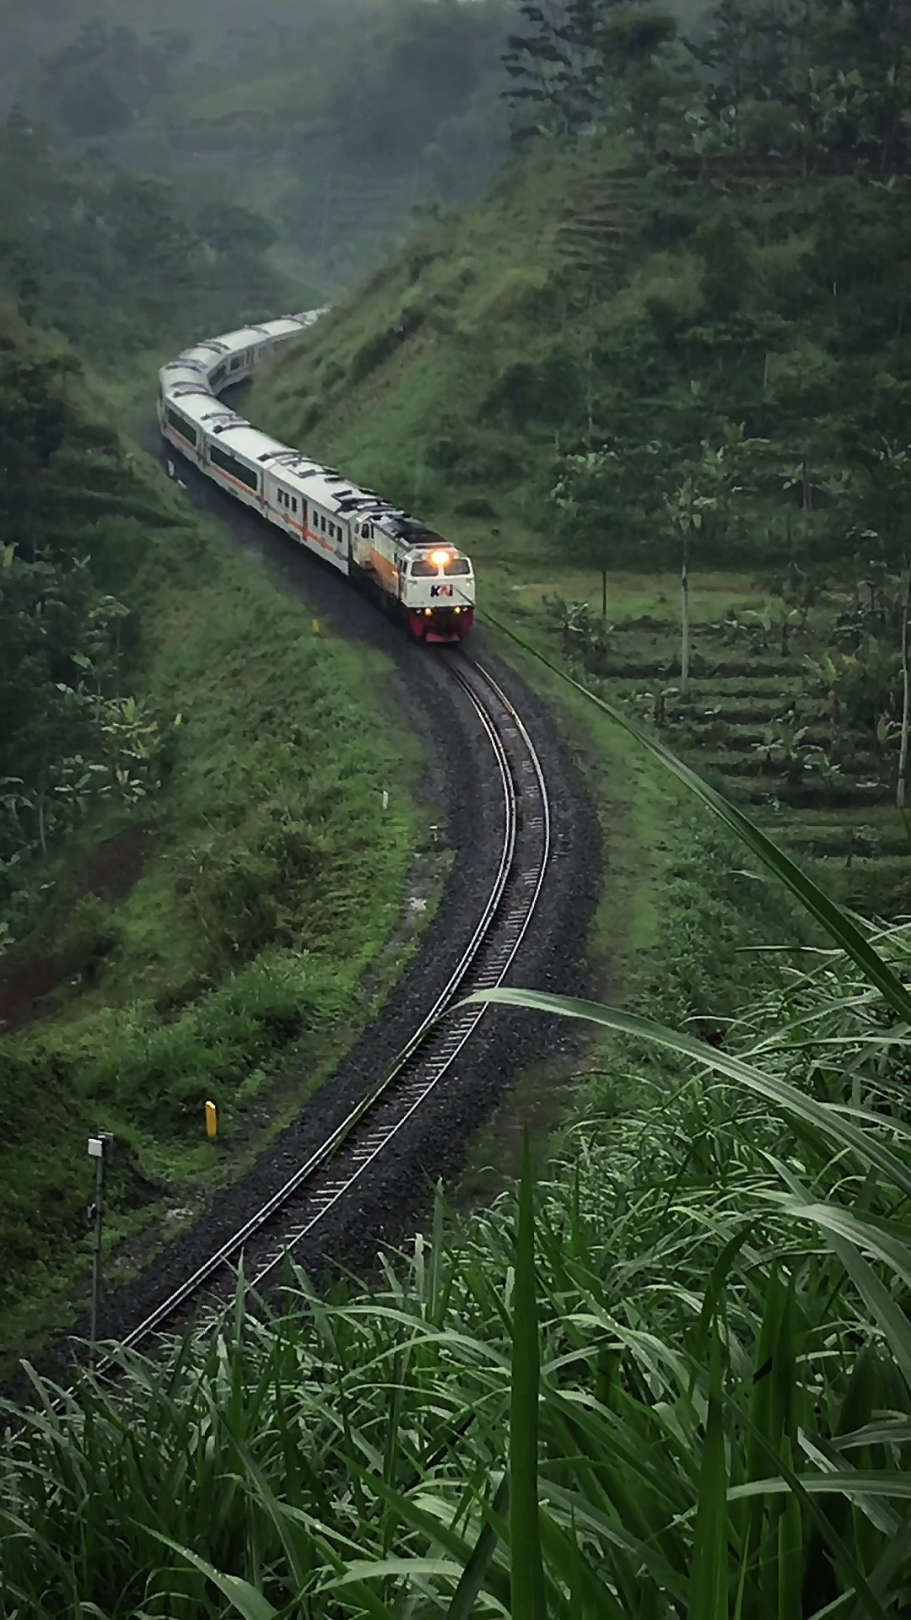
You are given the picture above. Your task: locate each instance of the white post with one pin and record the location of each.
(906, 697)
(99, 1149)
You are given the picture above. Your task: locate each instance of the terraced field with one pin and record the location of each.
(761, 725)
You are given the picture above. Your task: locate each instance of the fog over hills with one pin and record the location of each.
(334, 121)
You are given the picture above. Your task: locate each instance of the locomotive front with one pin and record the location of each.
(438, 593)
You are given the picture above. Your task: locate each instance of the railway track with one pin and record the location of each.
(332, 1173)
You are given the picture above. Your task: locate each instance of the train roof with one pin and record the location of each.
(206, 354)
(185, 384)
(201, 408)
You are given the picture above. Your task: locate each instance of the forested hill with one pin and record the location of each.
(330, 119)
(679, 264)
(115, 261)
(78, 523)
(676, 338)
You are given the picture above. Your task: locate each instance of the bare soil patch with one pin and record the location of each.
(29, 978)
(115, 867)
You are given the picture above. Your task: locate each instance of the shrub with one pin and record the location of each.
(519, 292)
(446, 452)
(546, 390)
(373, 352)
(91, 933)
(382, 345)
(476, 506)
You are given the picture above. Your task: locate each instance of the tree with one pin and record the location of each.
(539, 67)
(601, 497)
(697, 489)
(646, 84)
(107, 76)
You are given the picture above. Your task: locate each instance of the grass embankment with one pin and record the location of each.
(680, 932)
(200, 945)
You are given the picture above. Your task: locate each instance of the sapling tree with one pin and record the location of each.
(697, 490)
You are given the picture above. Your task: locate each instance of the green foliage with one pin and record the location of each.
(797, 84)
(271, 886)
(187, 883)
(261, 106)
(80, 235)
(529, 391)
(702, 1319)
(604, 500)
(108, 76)
(69, 737)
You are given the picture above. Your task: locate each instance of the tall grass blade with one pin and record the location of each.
(526, 1564)
(778, 1092)
(477, 1560)
(589, 1598)
(474, 1575)
(240, 1594)
(708, 1582)
(886, 1311)
(790, 1561)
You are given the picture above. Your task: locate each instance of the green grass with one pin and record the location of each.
(466, 295)
(664, 877)
(735, 694)
(271, 886)
(675, 1379)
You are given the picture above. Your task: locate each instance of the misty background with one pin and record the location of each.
(285, 147)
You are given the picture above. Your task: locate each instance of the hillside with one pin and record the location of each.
(658, 385)
(551, 374)
(188, 839)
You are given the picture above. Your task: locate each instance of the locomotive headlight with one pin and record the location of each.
(440, 558)
(428, 612)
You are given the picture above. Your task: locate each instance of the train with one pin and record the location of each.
(417, 575)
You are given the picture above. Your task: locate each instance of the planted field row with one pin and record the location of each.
(811, 794)
(861, 768)
(758, 723)
(705, 669)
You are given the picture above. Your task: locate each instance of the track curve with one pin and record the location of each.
(330, 1174)
(392, 1195)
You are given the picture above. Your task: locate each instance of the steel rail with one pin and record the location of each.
(329, 1174)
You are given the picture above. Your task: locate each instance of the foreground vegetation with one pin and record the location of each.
(681, 1388)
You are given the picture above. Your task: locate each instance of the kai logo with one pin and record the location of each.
(441, 590)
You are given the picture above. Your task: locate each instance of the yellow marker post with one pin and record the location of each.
(314, 625)
(211, 1120)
